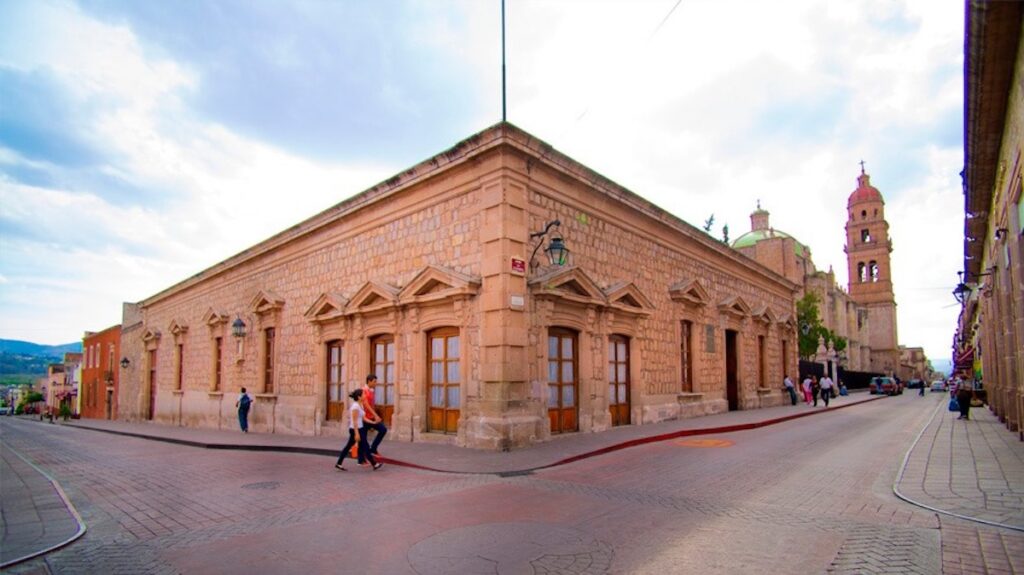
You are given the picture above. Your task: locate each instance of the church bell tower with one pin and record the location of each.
(868, 248)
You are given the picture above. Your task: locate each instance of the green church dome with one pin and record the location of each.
(752, 237)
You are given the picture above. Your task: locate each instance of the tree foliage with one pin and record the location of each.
(810, 328)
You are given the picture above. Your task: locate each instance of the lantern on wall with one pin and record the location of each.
(558, 254)
(238, 328)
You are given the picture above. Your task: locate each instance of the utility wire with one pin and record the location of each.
(649, 39)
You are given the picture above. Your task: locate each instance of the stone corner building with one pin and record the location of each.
(435, 281)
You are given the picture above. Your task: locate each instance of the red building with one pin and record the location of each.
(100, 353)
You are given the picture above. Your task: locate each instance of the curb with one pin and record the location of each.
(903, 468)
(507, 473)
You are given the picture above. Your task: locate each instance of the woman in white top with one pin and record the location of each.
(357, 433)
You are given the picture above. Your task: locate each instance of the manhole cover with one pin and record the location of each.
(510, 548)
(704, 443)
(262, 485)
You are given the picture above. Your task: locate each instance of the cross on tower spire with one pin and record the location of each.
(862, 167)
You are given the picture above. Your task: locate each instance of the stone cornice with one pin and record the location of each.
(501, 134)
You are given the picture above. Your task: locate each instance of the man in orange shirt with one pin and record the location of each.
(373, 419)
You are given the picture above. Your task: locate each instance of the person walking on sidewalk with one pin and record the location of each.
(826, 389)
(357, 433)
(815, 389)
(964, 394)
(373, 418)
(243, 404)
(788, 384)
(806, 385)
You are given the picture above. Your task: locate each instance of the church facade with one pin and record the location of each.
(865, 314)
(501, 292)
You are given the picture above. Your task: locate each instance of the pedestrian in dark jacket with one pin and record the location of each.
(964, 394)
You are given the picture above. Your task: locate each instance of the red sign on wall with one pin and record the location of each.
(518, 266)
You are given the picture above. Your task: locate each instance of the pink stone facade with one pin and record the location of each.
(421, 280)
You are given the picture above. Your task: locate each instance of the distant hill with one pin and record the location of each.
(35, 349)
(23, 362)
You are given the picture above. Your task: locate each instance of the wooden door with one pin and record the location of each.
(618, 379)
(152, 384)
(444, 389)
(335, 381)
(732, 392)
(562, 380)
(383, 347)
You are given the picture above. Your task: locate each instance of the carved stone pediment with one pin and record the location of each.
(786, 322)
(330, 305)
(735, 306)
(571, 284)
(627, 297)
(435, 283)
(265, 301)
(764, 314)
(177, 328)
(373, 296)
(689, 292)
(214, 318)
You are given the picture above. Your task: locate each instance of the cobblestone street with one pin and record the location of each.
(812, 495)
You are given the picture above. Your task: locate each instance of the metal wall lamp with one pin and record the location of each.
(558, 254)
(125, 363)
(238, 330)
(962, 291)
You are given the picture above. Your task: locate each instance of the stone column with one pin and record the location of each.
(504, 415)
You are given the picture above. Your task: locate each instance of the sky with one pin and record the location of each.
(143, 142)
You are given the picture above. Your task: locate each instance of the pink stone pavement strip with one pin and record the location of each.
(447, 458)
(35, 515)
(970, 469)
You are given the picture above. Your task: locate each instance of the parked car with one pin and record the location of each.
(938, 385)
(915, 384)
(884, 385)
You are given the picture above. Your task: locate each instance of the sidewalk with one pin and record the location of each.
(969, 469)
(35, 516)
(450, 459)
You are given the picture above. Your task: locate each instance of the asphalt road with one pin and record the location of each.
(808, 496)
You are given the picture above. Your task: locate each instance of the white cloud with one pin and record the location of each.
(728, 103)
(227, 191)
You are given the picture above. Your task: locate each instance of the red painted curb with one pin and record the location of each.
(704, 431)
